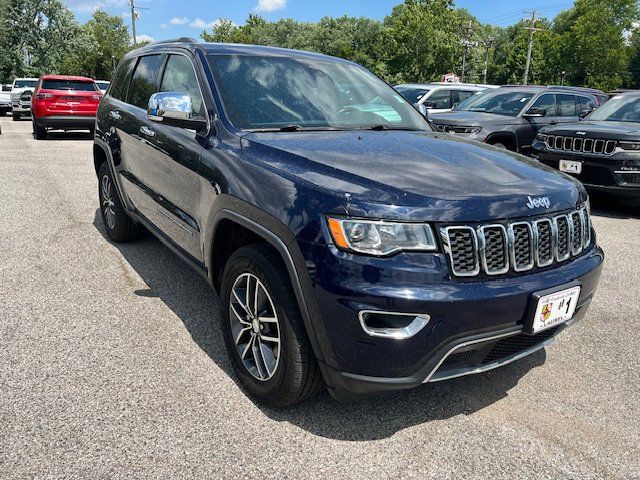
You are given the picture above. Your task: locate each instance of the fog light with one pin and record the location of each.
(395, 325)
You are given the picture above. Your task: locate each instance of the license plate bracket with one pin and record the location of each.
(560, 302)
(570, 166)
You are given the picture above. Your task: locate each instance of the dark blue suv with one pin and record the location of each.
(352, 247)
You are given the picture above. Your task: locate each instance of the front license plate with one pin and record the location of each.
(555, 308)
(569, 166)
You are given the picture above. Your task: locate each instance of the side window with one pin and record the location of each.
(121, 80)
(440, 99)
(464, 94)
(143, 82)
(566, 105)
(586, 104)
(179, 76)
(548, 102)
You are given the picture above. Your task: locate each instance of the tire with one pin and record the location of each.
(119, 227)
(16, 116)
(295, 375)
(39, 133)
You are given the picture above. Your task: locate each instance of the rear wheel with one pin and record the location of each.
(39, 133)
(120, 228)
(263, 329)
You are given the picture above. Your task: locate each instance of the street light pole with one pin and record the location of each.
(487, 43)
(533, 30)
(467, 32)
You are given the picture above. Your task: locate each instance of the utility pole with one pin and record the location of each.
(467, 32)
(488, 42)
(532, 28)
(133, 22)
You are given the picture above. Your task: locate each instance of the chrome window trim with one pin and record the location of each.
(512, 249)
(474, 238)
(482, 250)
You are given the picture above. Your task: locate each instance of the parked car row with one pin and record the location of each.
(54, 101)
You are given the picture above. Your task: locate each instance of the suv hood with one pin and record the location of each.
(461, 117)
(605, 130)
(415, 175)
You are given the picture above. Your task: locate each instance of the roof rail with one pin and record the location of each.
(178, 40)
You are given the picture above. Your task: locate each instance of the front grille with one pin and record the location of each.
(517, 343)
(520, 246)
(587, 145)
(629, 178)
(460, 357)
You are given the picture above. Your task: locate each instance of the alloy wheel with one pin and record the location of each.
(107, 202)
(254, 326)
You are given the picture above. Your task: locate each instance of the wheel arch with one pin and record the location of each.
(509, 139)
(245, 231)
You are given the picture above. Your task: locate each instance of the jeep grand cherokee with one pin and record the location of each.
(351, 245)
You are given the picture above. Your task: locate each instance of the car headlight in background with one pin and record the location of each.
(541, 137)
(630, 146)
(381, 238)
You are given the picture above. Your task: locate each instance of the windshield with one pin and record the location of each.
(260, 92)
(618, 109)
(24, 83)
(102, 85)
(502, 102)
(411, 94)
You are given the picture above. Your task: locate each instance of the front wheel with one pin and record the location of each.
(264, 331)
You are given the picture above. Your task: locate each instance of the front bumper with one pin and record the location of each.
(21, 107)
(465, 316)
(617, 174)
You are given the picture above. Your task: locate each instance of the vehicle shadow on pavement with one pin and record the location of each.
(61, 135)
(191, 299)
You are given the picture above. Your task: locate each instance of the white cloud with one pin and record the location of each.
(144, 38)
(201, 24)
(179, 21)
(270, 5)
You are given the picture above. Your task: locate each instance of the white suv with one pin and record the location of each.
(22, 106)
(439, 97)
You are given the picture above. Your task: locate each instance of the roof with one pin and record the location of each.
(68, 78)
(233, 49)
(443, 84)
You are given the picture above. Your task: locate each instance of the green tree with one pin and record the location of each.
(98, 47)
(592, 44)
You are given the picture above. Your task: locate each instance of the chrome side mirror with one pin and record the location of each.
(169, 106)
(423, 110)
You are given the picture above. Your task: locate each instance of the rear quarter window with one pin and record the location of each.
(144, 81)
(121, 80)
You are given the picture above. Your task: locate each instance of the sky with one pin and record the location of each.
(164, 19)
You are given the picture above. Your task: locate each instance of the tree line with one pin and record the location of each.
(594, 43)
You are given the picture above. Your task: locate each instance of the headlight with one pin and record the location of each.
(541, 137)
(381, 238)
(630, 145)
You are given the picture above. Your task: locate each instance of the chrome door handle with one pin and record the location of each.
(146, 131)
(115, 114)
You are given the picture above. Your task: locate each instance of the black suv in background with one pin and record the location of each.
(602, 151)
(348, 242)
(510, 117)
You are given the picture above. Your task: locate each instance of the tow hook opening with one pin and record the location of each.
(394, 325)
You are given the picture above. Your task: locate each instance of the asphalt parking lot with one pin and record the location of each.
(113, 365)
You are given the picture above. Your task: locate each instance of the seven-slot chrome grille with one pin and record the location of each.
(518, 246)
(582, 145)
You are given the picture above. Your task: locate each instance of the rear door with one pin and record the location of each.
(568, 111)
(128, 117)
